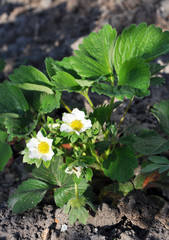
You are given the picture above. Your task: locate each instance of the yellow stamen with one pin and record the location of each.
(43, 147)
(76, 125)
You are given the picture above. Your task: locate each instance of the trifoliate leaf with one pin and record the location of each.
(120, 164)
(28, 195)
(94, 57)
(147, 42)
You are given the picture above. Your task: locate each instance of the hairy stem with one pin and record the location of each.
(122, 119)
(85, 94)
(76, 191)
(64, 104)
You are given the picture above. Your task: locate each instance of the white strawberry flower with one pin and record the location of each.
(40, 147)
(76, 170)
(75, 122)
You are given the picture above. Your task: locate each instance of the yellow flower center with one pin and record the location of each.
(76, 125)
(43, 147)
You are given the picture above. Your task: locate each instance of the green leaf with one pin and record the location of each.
(3, 136)
(20, 126)
(88, 159)
(65, 82)
(74, 137)
(158, 159)
(163, 169)
(54, 174)
(102, 146)
(151, 167)
(49, 63)
(50, 102)
(101, 113)
(135, 73)
(161, 112)
(118, 91)
(89, 174)
(155, 68)
(5, 154)
(31, 75)
(2, 64)
(120, 164)
(147, 42)
(94, 57)
(139, 180)
(148, 142)
(35, 87)
(53, 67)
(28, 195)
(12, 99)
(63, 194)
(157, 81)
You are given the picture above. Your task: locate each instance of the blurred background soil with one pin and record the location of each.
(30, 31)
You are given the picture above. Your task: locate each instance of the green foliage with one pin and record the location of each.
(30, 78)
(157, 81)
(54, 174)
(135, 73)
(147, 42)
(94, 57)
(81, 147)
(28, 195)
(160, 163)
(120, 164)
(149, 142)
(65, 82)
(5, 154)
(76, 210)
(161, 112)
(156, 67)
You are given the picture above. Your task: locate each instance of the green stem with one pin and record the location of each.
(85, 94)
(111, 107)
(76, 191)
(64, 104)
(122, 119)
